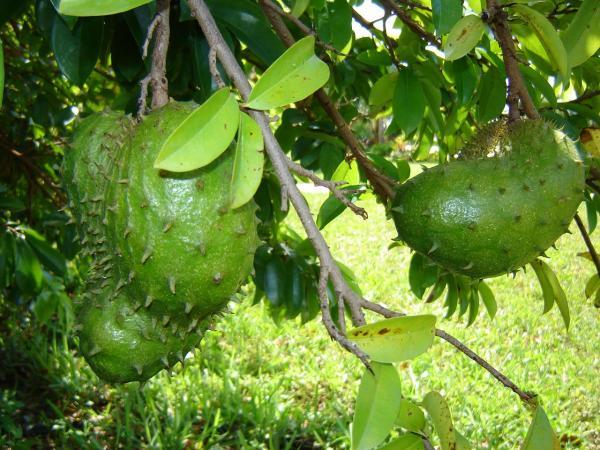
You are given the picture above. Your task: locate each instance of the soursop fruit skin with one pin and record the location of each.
(489, 216)
(166, 252)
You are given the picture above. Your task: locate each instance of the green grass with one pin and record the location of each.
(253, 384)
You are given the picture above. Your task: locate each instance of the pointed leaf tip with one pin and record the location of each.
(292, 77)
(249, 161)
(202, 136)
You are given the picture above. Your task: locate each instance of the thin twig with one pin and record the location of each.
(160, 29)
(299, 24)
(332, 186)
(388, 313)
(382, 185)
(525, 396)
(588, 242)
(329, 269)
(335, 334)
(410, 23)
(497, 19)
(278, 159)
(214, 70)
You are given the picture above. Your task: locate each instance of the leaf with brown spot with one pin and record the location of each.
(465, 35)
(396, 339)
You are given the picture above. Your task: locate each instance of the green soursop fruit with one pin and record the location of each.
(491, 215)
(167, 253)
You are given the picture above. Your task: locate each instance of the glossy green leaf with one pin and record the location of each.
(335, 24)
(473, 306)
(582, 37)
(421, 274)
(539, 82)
(396, 339)
(463, 37)
(445, 14)
(377, 405)
(299, 7)
(77, 50)
(1, 73)
(547, 291)
(97, 7)
(540, 435)
(559, 294)
(465, 79)
(203, 136)
(409, 101)
(382, 91)
(405, 442)
(549, 38)
(292, 77)
(249, 161)
(440, 415)
(592, 285)
(451, 297)
(348, 172)
(332, 207)
(487, 296)
(410, 416)
(49, 256)
(491, 95)
(28, 270)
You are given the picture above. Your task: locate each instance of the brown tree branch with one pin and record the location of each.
(382, 185)
(278, 159)
(588, 242)
(497, 19)
(410, 23)
(333, 187)
(160, 29)
(329, 269)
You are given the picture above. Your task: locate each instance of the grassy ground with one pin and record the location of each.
(255, 385)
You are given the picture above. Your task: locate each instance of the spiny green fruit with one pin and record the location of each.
(488, 216)
(166, 249)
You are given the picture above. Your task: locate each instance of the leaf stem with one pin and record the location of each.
(588, 242)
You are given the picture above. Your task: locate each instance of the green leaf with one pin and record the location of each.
(335, 25)
(410, 416)
(582, 38)
(462, 443)
(473, 305)
(1, 72)
(592, 285)
(403, 170)
(97, 7)
(540, 435)
(409, 101)
(547, 291)
(549, 38)
(377, 405)
(396, 339)
(463, 37)
(465, 79)
(445, 14)
(487, 296)
(77, 50)
(203, 135)
(348, 172)
(540, 83)
(50, 257)
(421, 274)
(292, 77)
(299, 7)
(332, 207)
(451, 297)
(438, 410)
(28, 270)
(249, 161)
(491, 95)
(405, 442)
(559, 294)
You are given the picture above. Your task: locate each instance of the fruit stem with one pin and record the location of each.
(497, 19)
(588, 243)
